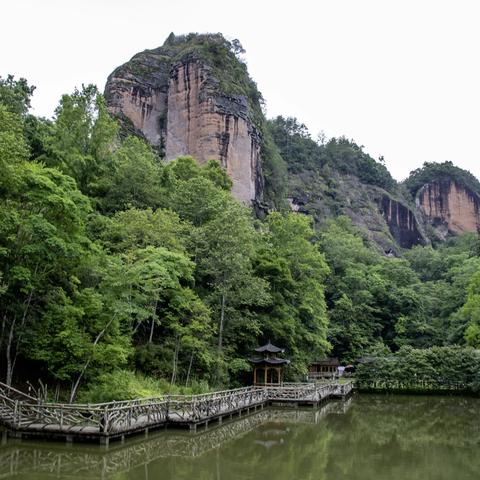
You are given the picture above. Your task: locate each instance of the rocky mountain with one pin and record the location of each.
(194, 96)
(447, 197)
(339, 178)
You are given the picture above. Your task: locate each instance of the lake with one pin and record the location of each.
(368, 437)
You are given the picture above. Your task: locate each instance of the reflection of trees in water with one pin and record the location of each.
(414, 437)
(391, 437)
(80, 461)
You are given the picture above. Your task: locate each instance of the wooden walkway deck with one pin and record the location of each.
(24, 415)
(90, 462)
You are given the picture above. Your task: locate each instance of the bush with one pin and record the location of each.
(120, 385)
(435, 368)
(128, 385)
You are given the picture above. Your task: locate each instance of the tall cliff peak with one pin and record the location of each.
(194, 96)
(447, 196)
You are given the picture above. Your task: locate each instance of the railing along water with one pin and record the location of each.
(21, 412)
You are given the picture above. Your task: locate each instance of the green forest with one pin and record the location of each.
(122, 275)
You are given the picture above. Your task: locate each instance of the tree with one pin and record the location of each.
(82, 138)
(15, 94)
(224, 250)
(296, 272)
(132, 178)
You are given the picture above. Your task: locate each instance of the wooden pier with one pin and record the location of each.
(90, 462)
(24, 415)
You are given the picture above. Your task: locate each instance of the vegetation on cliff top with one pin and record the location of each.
(301, 152)
(431, 172)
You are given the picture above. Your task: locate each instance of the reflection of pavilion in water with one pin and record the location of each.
(96, 462)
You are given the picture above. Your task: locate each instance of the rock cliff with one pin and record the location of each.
(386, 220)
(193, 96)
(449, 206)
(401, 221)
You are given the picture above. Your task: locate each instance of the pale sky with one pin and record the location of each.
(401, 77)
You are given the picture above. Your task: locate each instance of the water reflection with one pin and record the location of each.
(369, 437)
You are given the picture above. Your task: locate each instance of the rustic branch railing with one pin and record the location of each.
(65, 462)
(23, 412)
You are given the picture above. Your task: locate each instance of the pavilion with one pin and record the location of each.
(267, 366)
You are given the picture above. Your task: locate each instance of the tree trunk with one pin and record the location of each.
(222, 324)
(12, 361)
(152, 326)
(9, 377)
(2, 332)
(175, 359)
(189, 370)
(75, 386)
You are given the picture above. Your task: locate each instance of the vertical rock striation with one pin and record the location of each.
(172, 97)
(401, 222)
(210, 125)
(449, 204)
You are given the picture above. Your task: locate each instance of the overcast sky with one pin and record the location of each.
(400, 77)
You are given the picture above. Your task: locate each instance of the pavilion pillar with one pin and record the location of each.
(255, 376)
(265, 375)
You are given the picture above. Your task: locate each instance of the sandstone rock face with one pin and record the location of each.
(448, 204)
(401, 222)
(211, 126)
(179, 107)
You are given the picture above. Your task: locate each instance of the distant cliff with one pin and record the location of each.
(447, 197)
(193, 96)
(339, 178)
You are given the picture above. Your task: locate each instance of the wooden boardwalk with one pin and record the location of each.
(24, 415)
(90, 462)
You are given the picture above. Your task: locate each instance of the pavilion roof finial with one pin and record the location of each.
(269, 348)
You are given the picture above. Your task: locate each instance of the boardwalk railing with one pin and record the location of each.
(22, 412)
(64, 462)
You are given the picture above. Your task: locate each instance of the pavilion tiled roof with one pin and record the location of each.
(269, 348)
(269, 361)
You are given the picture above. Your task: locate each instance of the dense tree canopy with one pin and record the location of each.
(301, 152)
(122, 275)
(111, 260)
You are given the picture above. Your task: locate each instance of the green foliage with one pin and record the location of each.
(128, 385)
(296, 272)
(82, 136)
(120, 385)
(435, 368)
(302, 153)
(15, 94)
(432, 171)
(274, 171)
(418, 301)
(131, 179)
(114, 265)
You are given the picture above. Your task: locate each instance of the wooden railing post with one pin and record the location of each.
(167, 411)
(104, 420)
(15, 414)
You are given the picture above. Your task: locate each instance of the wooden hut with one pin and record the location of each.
(268, 366)
(325, 368)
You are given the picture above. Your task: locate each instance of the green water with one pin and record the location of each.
(367, 438)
